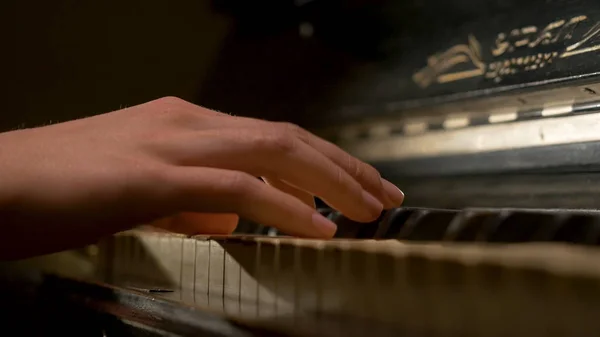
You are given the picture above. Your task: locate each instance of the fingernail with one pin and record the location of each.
(374, 205)
(324, 225)
(393, 192)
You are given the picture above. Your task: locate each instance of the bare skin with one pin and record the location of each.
(177, 166)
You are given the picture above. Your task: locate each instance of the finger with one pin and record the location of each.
(366, 175)
(204, 190)
(199, 223)
(303, 196)
(286, 157)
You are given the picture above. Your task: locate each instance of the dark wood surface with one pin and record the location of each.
(71, 307)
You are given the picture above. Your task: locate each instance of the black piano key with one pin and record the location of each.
(368, 230)
(334, 216)
(252, 228)
(467, 225)
(578, 229)
(325, 211)
(512, 226)
(547, 231)
(350, 229)
(488, 225)
(248, 227)
(593, 234)
(427, 225)
(243, 227)
(262, 230)
(392, 222)
(346, 228)
(320, 204)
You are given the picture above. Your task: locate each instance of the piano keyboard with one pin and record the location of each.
(421, 272)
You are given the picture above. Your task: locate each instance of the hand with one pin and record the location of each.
(181, 165)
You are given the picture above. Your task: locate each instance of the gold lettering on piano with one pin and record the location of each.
(438, 64)
(590, 38)
(464, 61)
(529, 37)
(498, 69)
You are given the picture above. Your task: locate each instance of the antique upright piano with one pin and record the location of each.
(486, 113)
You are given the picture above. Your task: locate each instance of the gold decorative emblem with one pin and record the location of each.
(438, 65)
(463, 61)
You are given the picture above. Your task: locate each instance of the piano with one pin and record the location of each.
(486, 113)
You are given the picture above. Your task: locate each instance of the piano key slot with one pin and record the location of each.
(257, 275)
(276, 267)
(216, 274)
(297, 284)
(344, 273)
(201, 270)
(320, 291)
(266, 273)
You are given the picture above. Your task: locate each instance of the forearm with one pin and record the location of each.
(33, 219)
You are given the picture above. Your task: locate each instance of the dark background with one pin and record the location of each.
(64, 59)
